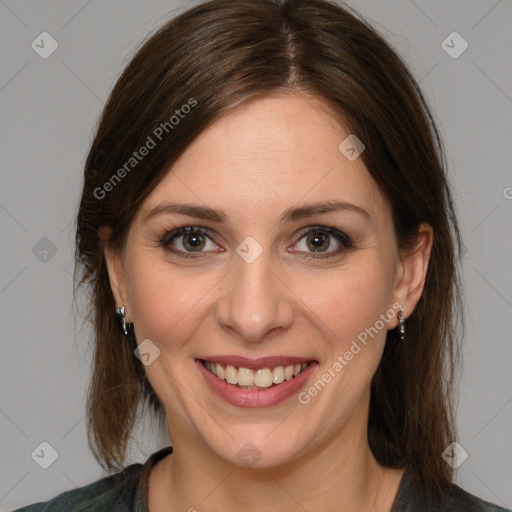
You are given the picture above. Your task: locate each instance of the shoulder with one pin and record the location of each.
(108, 493)
(411, 497)
(121, 492)
(459, 499)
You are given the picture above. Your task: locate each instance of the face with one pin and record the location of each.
(227, 261)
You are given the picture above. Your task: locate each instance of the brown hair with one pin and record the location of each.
(220, 54)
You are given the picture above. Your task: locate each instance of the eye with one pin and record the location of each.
(314, 242)
(318, 240)
(189, 240)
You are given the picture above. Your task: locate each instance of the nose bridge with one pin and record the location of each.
(255, 301)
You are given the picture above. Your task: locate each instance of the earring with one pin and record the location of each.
(401, 325)
(119, 313)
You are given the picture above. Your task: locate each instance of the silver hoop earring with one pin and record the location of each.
(119, 312)
(401, 325)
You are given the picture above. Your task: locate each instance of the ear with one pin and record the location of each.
(115, 269)
(412, 272)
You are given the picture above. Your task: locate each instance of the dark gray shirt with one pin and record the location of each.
(127, 491)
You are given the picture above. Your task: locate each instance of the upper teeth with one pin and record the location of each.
(262, 378)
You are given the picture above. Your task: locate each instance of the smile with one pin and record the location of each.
(256, 383)
(261, 378)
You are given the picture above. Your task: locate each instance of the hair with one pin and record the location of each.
(216, 56)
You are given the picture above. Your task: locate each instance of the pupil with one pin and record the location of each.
(316, 240)
(193, 241)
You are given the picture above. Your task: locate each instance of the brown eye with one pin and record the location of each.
(319, 239)
(193, 241)
(318, 242)
(188, 240)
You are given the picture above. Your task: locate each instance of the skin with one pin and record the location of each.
(313, 455)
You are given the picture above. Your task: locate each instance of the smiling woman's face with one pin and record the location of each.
(249, 282)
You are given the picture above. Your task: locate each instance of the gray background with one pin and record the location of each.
(49, 110)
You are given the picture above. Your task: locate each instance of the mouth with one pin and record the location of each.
(255, 379)
(256, 383)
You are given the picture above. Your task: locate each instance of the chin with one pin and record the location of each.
(257, 446)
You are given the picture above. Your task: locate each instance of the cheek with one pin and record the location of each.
(338, 305)
(165, 304)
(348, 301)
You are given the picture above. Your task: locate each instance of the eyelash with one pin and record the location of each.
(342, 238)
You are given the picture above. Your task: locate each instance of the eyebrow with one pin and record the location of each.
(290, 215)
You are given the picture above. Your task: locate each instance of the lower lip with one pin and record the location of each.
(254, 398)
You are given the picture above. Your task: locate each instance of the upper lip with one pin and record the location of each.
(255, 364)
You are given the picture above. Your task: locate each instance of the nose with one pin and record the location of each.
(254, 301)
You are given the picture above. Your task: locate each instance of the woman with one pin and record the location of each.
(269, 236)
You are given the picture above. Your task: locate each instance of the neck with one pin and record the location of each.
(340, 474)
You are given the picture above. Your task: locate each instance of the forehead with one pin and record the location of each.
(266, 155)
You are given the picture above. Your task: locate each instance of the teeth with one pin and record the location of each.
(219, 371)
(250, 379)
(245, 377)
(263, 378)
(278, 375)
(288, 372)
(231, 375)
